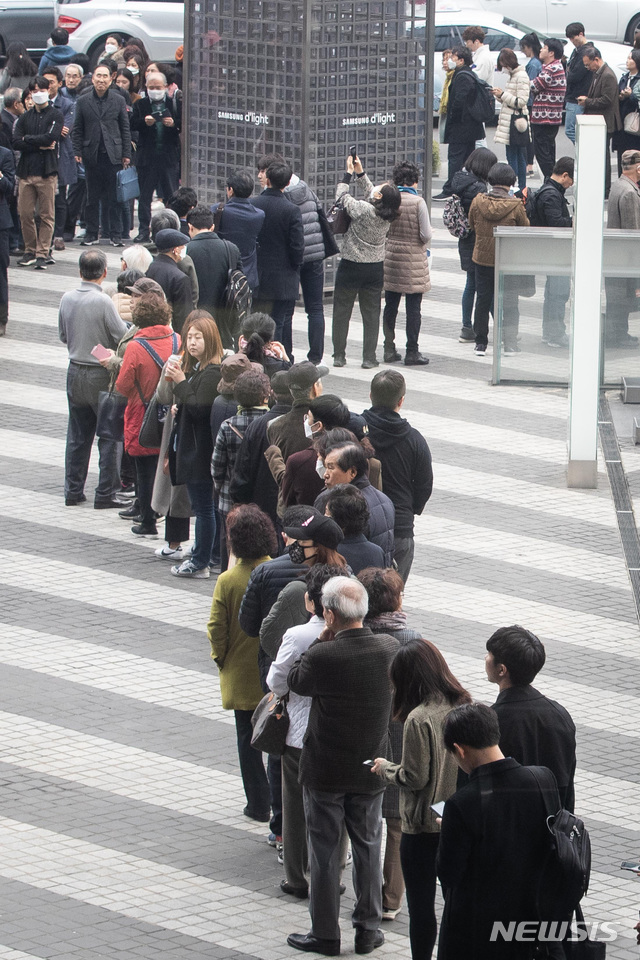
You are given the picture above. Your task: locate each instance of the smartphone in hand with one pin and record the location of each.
(100, 352)
(368, 763)
(353, 150)
(438, 808)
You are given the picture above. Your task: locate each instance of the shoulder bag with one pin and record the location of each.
(110, 418)
(631, 123)
(338, 219)
(518, 128)
(155, 413)
(270, 722)
(330, 246)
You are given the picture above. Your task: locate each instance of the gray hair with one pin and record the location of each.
(137, 257)
(156, 73)
(165, 220)
(93, 264)
(11, 96)
(77, 66)
(346, 598)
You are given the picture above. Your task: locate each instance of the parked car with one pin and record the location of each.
(604, 19)
(26, 21)
(159, 23)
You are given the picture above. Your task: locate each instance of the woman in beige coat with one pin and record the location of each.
(512, 99)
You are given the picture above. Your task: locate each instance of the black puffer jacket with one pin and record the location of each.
(302, 195)
(467, 186)
(382, 515)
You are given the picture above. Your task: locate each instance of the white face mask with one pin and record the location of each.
(308, 432)
(451, 64)
(183, 252)
(49, 42)
(110, 48)
(320, 468)
(134, 70)
(155, 95)
(40, 97)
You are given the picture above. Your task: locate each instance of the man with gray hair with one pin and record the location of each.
(73, 74)
(623, 213)
(87, 318)
(348, 681)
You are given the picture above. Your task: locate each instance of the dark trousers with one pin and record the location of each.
(254, 778)
(281, 311)
(156, 176)
(607, 166)
(84, 383)
(484, 302)
(201, 497)
(145, 476)
(557, 291)
(274, 774)
(176, 529)
(418, 857)
(15, 232)
(456, 156)
(312, 283)
(544, 145)
(101, 186)
(468, 296)
(413, 302)
(364, 281)
(403, 551)
(621, 300)
(76, 198)
(4, 281)
(60, 206)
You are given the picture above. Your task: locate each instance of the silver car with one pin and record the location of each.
(158, 23)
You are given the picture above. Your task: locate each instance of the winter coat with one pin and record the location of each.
(157, 144)
(241, 223)
(490, 210)
(115, 362)
(603, 98)
(578, 77)
(364, 240)
(361, 553)
(190, 461)
(301, 482)
(382, 515)
(549, 89)
(123, 303)
(287, 432)
(235, 652)
(35, 129)
(623, 208)
(304, 198)
(67, 166)
(7, 180)
(168, 498)
(252, 481)
(461, 126)
(466, 185)
(140, 373)
(57, 56)
(552, 209)
(176, 285)
(514, 97)
(280, 246)
(295, 642)
(406, 268)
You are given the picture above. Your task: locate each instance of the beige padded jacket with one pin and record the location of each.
(517, 89)
(406, 269)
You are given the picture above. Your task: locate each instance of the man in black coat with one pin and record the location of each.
(407, 474)
(157, 118)
(533, 729)
(213, 258)
(305, 384)
(461, 130)
(240, 222)
(165, 270)
(102, 142)
(280, 253)
(493, 843)
(552, 210)
(7, 180)
(348, 680)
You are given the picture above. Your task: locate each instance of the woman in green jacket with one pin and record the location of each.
(425, 691)
(252, 539)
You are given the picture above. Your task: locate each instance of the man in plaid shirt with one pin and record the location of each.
(251, 392)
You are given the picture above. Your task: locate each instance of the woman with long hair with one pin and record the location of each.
(195, 384)
(513, 99)
(424, 691)
(629, 95)
(19, 68)
(135, 64)
(256, 341)
(361, 269)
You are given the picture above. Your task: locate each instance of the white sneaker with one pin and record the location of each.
(390, 914)
(187, 552)
(166, 553)
(187, 569)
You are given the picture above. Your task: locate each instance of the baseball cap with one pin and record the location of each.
(145, 285)
(231, 368)
(280, 385)
(302, 376)
(318, 528)
(168, 239)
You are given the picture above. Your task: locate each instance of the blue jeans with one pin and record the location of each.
(84, 384)
(572, 110)
(517, 160)
(201, 496)
(468, 296)
(312, 283)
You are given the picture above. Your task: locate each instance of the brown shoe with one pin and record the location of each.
(58, 244)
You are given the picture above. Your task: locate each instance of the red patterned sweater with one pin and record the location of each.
(549, 89)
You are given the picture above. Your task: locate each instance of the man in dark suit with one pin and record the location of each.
(462, 130)
(102, 141)
(12, 109)
(7, 180)
(603, 99)
(157, 118)
(67, 166)
(212, 259)
(534, 730)
(280, 252)
(165, 271)
(493, 844)
(348, 680)
(240, 222)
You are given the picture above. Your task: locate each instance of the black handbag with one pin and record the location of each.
(519, 138)
(338, 219)
(270, 722)
(583, 949)
(110, 417)
(330, 245)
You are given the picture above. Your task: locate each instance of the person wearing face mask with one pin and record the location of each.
(36, 137)
(171, 245)
(135, 64)
(157, 119)
(67, 166)
(305, 384)
(513, 99)
(113, 49)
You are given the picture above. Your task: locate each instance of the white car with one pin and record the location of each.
(603, 19)
(158, 23)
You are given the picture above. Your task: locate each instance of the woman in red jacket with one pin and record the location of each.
(143, 361)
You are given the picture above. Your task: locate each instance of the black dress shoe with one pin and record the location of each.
(113, 504)
(339, 361)
(369, 364)
(301, 893)
(254, 814)
(131, 513)
(306, 941)
(416, 360)
(391, 356)
(367, 940)
(142, 238)
(74, 501)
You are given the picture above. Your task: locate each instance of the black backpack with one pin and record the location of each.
(237, 298)
(483, 107)
(564, 880)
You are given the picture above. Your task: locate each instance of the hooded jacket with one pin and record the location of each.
(467, 185)
(407, 474)
(56, 56)
(301, 194)
(490, 210)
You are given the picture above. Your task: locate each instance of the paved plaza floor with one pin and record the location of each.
(121, 826)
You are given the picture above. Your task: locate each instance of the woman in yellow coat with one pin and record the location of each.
(252, 539)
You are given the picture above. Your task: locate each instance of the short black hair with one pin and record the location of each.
(590, 52)
(200, 218)
(38, 83)
(564, 165)
(315, 580)
(555, 46)
(349, 509)
(388, 206)
(533, 41)
(267, 159)
(127, 278)
(241, 182)
(183, 200)
(520, 651)
(472, 725)
(279, 174)
(251, 389)
(405, 174)
(387, 389)
(330, 410)
(501, 175)
(93, 264)
(480, 161)
(250, 532)
(53, 72)
(110, 64)
(473, 33)
(350, 455)
(574, 30)
(463, 53)
(59, 36)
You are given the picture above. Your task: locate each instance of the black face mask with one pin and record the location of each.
(297, 554)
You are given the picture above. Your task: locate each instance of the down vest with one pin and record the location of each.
(304, 198)
(514, 96)
(406, 269)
